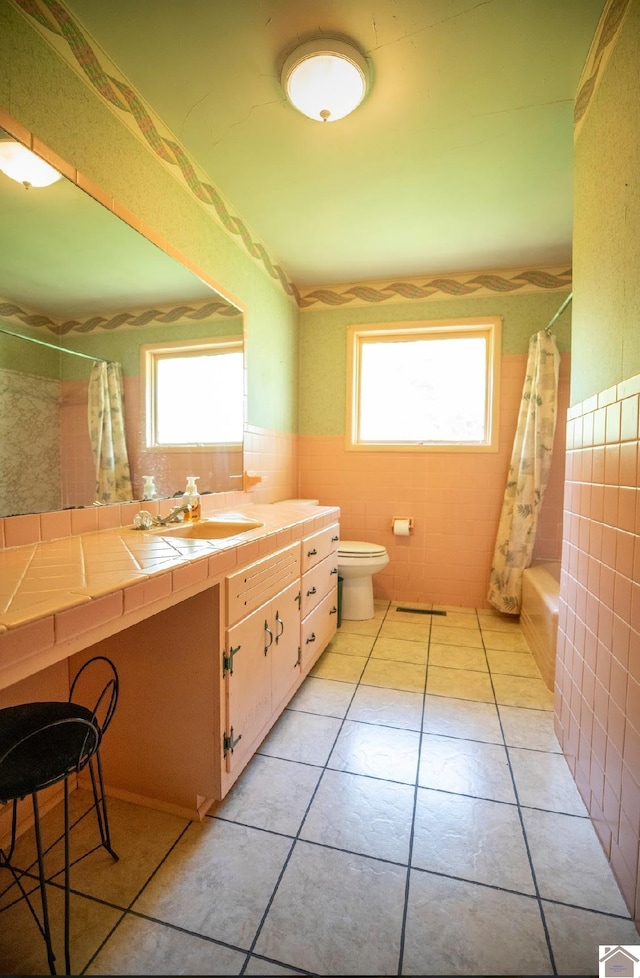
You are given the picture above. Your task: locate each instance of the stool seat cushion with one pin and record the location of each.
(55, 745)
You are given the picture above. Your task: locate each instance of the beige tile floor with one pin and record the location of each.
(410, 814)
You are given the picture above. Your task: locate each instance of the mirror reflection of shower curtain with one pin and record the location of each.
(528, 474)
(107, 433)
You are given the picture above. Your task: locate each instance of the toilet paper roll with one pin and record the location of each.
(401, 528)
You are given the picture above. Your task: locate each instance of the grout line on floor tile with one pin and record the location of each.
(521, 819)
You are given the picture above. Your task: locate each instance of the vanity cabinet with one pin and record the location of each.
(261, 656)
(209, 652)
(319, 603)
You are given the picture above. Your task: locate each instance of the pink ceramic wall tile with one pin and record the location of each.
(627, 501)
(631, 749)
(22, 530)
(612, 423)
(630, 796)
(629, 463)
(599, 426)
(609, 498)
(622, 597)
(610, 505)
(84, 520)
(221, 562)
(597, 502)
(616, 723)
(53, 525)
(587, 430)
(629, 418)
(75, 621)
(624, 875)
(609, 541)
(195, 572)
(635, 613)
(612, 464)
(108, 517)
(632, 710)
(27, 640)
(597, 463)
(153, 589)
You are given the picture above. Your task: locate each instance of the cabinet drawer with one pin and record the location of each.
(317, 582)
(256, 583)
(319, 545)
(317, 630)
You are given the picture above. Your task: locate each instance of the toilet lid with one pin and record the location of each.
(357, 548)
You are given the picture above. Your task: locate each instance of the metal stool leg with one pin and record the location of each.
(67, 950)
(45, 927)
(100, 804)
(42, 922)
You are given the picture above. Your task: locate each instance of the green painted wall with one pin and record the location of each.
(124, 345)
(606, 245)
(39, 89)
(26, 357)
(323, 339)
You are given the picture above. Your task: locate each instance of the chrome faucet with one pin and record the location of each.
(145, 521)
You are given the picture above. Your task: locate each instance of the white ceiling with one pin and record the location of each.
(460, 158)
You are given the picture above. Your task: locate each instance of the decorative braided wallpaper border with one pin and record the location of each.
(141, 317)
(610, 24)
(450, 286)
(55, 22)
(57, 25)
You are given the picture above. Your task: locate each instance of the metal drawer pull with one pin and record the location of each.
(311, 638)
(281, 623)
(270, 634)
(334, 611)
(334, 571)
(312, 553)
(312, 591)
(334, 539)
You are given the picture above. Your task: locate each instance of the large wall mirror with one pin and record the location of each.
(79, 286)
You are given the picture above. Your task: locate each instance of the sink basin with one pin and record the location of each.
(213, 529)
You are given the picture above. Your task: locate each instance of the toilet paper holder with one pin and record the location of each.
(402, 520)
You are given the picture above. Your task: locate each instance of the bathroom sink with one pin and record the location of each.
(212, 529)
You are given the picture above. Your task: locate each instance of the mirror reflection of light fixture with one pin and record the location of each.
(325, 79)
(23, 166)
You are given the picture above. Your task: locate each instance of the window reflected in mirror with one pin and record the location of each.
(79, 285)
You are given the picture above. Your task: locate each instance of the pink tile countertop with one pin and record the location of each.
(59, 596)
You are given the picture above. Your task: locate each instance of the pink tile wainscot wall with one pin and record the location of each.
(598, 659)
(454, 500)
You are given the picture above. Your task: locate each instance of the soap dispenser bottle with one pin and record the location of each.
(149, 490)
(191, 498)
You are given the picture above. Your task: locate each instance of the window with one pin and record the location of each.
(194, 394)
(430, 385)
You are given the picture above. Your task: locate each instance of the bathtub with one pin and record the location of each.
(539, 614)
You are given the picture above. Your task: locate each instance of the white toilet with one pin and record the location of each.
(357, 562)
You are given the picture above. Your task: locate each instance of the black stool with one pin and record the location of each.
(42, 744)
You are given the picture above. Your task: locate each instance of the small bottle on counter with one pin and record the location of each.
(191, 498)
(149, 490)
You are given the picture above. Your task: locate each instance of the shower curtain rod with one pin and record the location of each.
(52, 346)
(562, 308)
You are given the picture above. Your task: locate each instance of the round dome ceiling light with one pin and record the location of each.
(23, 166)
(325, 79)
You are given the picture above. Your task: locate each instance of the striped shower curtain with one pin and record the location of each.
(107, 433)
(528, 474)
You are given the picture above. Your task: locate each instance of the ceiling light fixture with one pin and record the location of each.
(23, 166)
(325, 79)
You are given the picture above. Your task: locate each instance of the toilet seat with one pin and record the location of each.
(360, 550)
